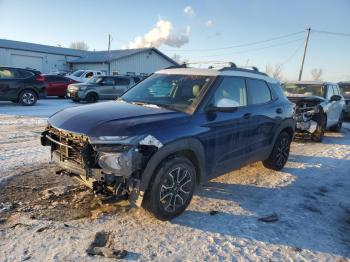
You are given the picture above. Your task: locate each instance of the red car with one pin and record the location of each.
(56, 85)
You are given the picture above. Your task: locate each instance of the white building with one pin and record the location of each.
(48, 59)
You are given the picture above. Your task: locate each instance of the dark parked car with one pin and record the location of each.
(319, 106)
(56, 85)
(100, 88)
(345, 91)
(172, 132)
(24, 86)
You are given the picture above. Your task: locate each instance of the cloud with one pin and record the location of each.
(188, 10)
(162, 33)
(209, 23)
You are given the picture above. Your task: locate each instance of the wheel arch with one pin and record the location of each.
(21, 90)
(188, 147)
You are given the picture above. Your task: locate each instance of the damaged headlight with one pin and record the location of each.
(114, 162)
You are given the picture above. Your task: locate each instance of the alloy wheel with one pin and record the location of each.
(28, 98)
(282, 151)
(175, 189)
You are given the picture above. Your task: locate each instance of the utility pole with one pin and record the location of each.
(109, 54)
(305, 48)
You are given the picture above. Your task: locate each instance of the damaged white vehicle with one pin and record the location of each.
(318, 106)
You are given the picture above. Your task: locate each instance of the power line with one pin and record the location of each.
(250, 50)
(330, 33)
(235, 46)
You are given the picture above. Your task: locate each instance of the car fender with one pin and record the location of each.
(22, 88)
(169, 149)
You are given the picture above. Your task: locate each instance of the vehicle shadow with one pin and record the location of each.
(310, 210)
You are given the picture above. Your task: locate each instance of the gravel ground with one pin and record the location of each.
(46, 217)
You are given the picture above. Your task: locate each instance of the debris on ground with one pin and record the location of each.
(101, 247)
(4, 207)
(214, 212)
(269, 218)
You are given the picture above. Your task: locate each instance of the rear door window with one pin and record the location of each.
(258, 92)
(24, 73)
(122, 81)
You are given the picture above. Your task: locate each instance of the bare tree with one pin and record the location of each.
(317, 73)
(79, 45)
(275, 71)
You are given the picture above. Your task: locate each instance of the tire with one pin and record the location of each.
(280, 152)
(338, 126)
(76, 100)
(172, 188)
(318, 135)
(28, 98)
(91, 98)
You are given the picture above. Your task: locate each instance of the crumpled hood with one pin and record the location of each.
(115, 118)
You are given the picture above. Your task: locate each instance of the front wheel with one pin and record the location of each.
(28, 98)
(172, 188)
(318, 135)
(280, 152)
(91, 98)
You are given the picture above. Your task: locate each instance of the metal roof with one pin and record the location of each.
(105, 56)
(82, 56)
(4, 43)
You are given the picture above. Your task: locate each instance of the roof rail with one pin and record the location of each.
(183, 65)
(233, 67)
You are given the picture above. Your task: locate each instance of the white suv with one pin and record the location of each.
(85, 75)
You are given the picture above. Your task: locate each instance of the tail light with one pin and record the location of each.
(39, 78)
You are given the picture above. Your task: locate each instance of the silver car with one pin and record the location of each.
(100, 88)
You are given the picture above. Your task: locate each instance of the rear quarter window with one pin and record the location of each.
(258, 92)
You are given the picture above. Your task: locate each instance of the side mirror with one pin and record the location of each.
(335, 98)
(224, 105)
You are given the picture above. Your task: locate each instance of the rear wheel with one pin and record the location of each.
(91, 97)
(338, 126)
(172, 188)
(28, 98)
(280, 152)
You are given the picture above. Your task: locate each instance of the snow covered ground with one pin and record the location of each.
(44, 107)
(46, 217)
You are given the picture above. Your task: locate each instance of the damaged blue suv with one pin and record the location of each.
(172, 132)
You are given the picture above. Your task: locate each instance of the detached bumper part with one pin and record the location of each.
(309, 126)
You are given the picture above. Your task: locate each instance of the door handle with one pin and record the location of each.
(247, 115)
(279, 110)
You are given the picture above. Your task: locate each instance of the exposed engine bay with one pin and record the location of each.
(111, 166)
(308, 114)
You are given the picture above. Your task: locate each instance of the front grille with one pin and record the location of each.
(72, 147)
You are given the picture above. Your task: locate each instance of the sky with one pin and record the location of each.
(200, 31)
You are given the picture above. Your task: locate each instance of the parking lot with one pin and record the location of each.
(300, 213)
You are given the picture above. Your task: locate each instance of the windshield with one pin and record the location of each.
(178, 92)
(304, 90)
(95, 80)
(78, 73)
(345, 90)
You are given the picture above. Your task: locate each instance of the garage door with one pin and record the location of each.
(23, 61)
